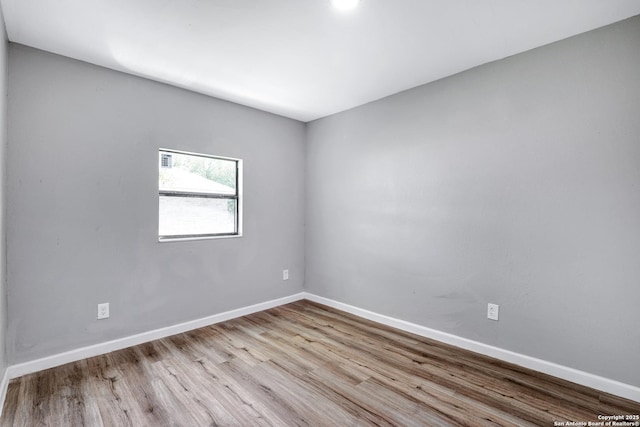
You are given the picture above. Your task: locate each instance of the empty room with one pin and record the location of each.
(320, 213)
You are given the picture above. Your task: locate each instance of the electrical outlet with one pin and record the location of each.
(493, 311)
(285, 274)
(103, 311)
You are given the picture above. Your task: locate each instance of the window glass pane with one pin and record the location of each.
(193, 173)
(181, 216)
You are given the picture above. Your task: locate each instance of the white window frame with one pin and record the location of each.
(237, 197)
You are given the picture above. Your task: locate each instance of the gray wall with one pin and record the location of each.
(82, 197)
(3, 144)
(516, 183)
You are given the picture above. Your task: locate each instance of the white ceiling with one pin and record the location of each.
(300, 58)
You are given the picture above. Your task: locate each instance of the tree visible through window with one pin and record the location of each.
(198, 196)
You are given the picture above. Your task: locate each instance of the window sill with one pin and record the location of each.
(187, 239)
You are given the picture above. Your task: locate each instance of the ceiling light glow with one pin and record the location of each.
(344, 4)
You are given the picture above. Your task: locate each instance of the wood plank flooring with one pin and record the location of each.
(302, 364)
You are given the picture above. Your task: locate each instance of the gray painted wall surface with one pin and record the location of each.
(82, 197)
(3, 228)
(516, 183)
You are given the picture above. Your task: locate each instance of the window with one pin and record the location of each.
(199, 196)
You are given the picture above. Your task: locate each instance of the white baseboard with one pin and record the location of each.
(580, 377)
(18, 370)
(4, 384)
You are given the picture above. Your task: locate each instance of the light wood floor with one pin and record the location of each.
(299, 364)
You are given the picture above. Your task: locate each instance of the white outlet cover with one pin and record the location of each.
(285, 274)
(103, 311)
(493, 311)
